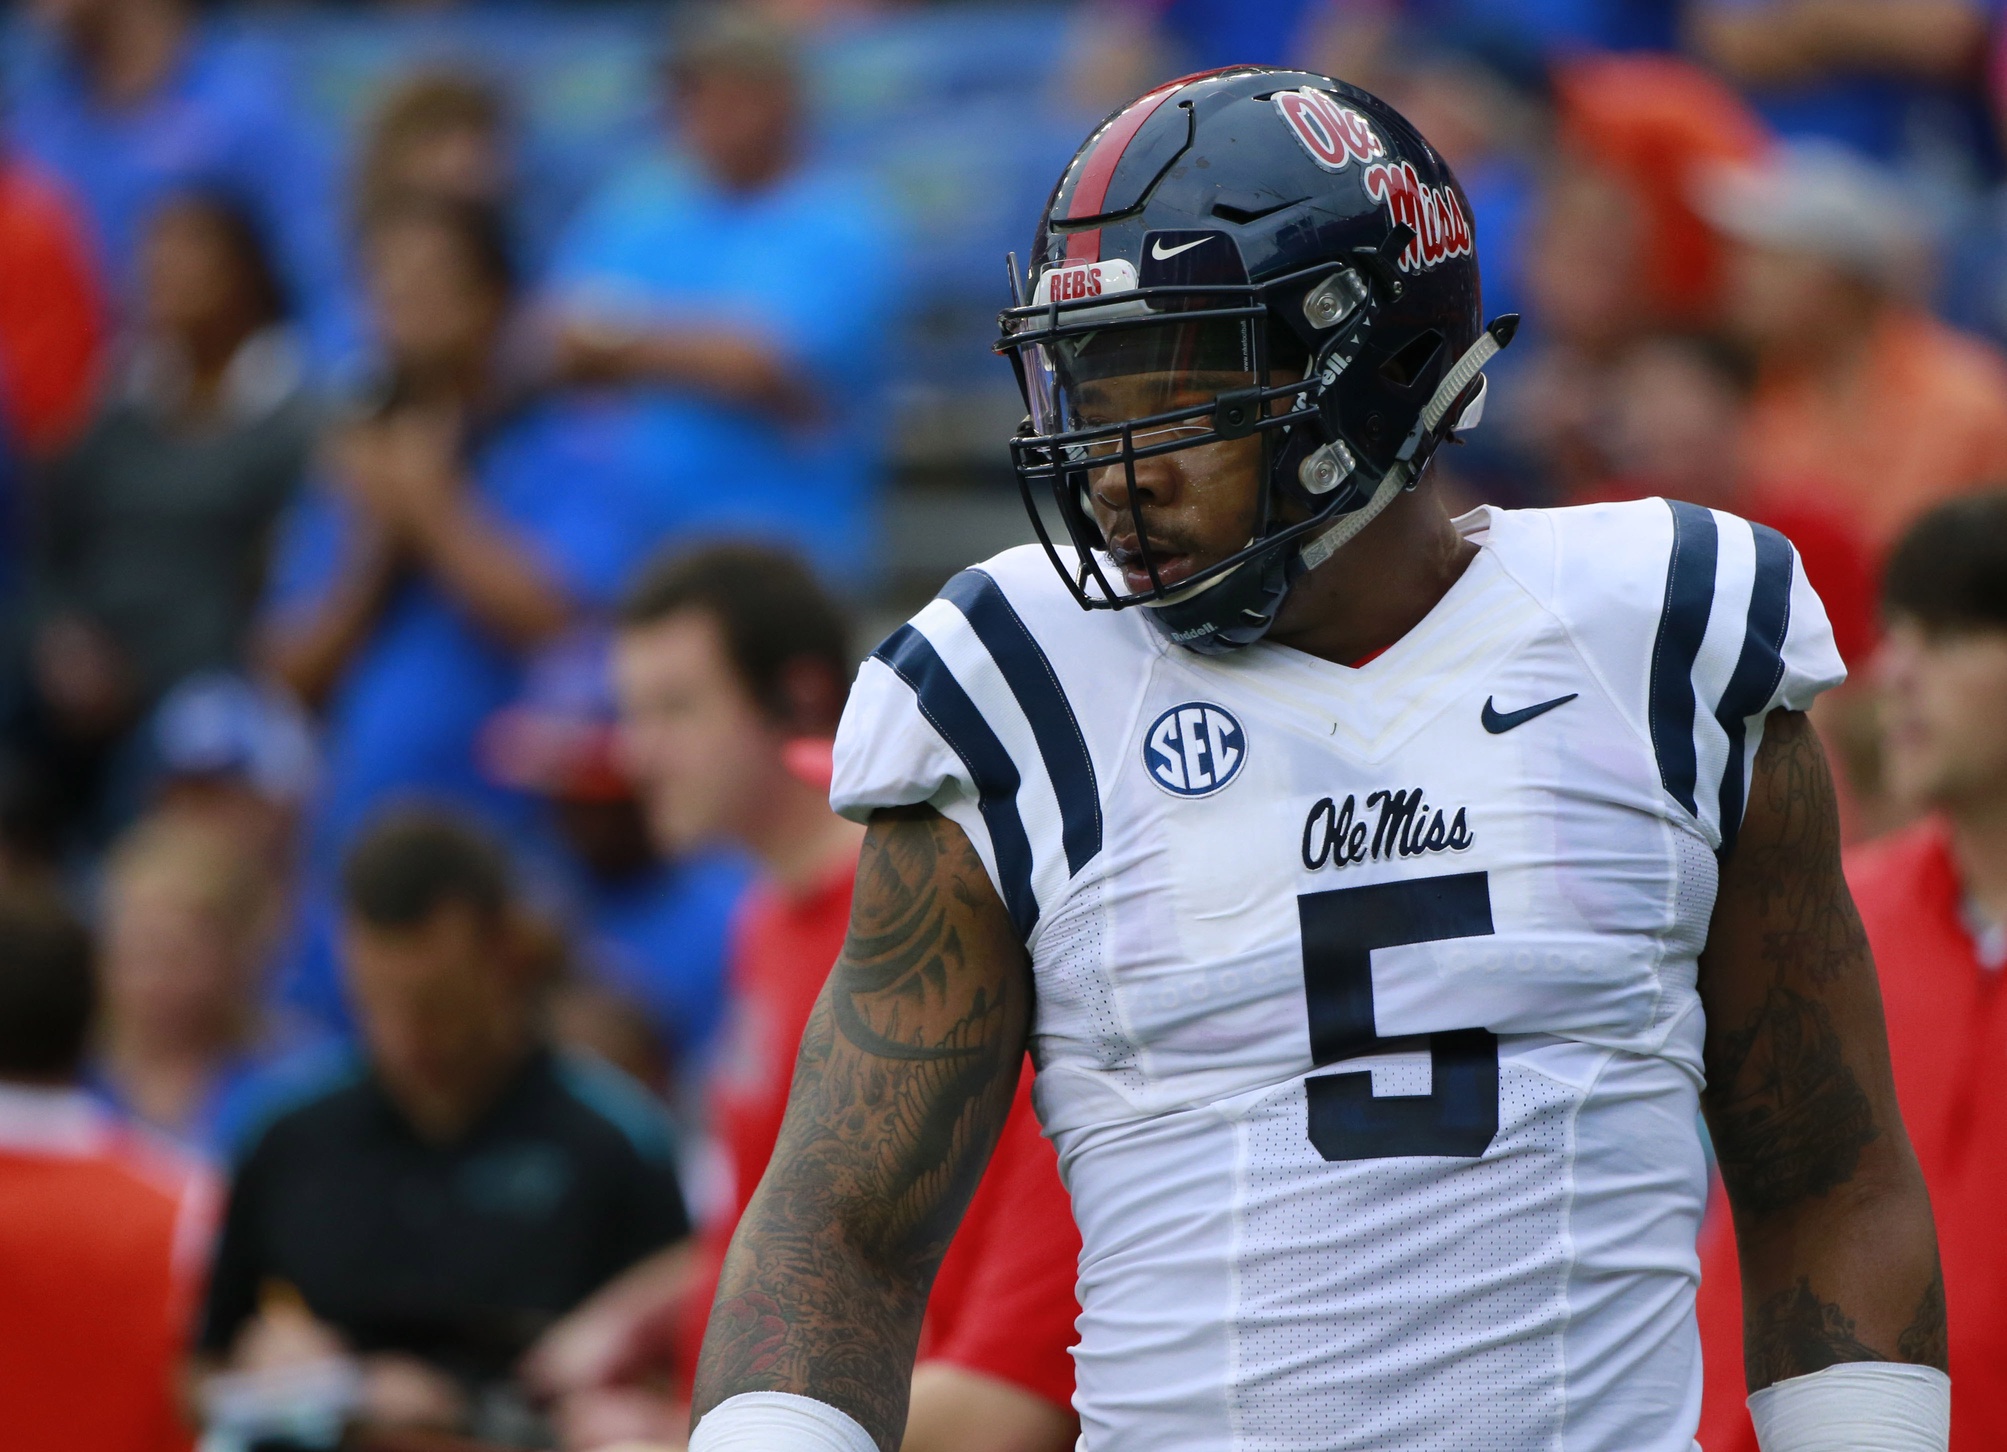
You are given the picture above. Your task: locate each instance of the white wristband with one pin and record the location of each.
(778, 1422)
(1857, 1406)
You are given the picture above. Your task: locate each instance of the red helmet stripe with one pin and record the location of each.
(1098, 170)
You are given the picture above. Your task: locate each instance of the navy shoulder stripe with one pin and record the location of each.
(1029, 674)
(949, 711)
(1682, 626)
(1758, 668)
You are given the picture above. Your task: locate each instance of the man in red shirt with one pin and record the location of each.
(731, 668)
(102, 1235)
(1933, 899)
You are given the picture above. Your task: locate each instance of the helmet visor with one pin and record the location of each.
(1147, 374)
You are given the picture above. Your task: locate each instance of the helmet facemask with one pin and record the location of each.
(1125, 374)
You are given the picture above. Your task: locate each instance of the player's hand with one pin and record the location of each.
(404, 1392)
(402, 471)
(588, 353)
(83, 676)
(283, 1334)
(619, 1333)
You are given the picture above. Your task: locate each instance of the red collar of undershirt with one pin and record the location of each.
(1369, 657)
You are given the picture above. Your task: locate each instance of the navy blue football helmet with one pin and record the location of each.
(1246, 252)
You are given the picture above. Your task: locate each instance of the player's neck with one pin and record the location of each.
(1979, 842)
(1377, 588)
(798, 840)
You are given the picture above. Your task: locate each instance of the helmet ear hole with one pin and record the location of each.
(1408, 364)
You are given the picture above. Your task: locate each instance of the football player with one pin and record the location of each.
(1381, 894)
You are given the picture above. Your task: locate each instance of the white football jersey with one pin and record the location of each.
(1366, 1023)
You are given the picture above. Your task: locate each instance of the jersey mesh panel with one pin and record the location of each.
(1696, 876)
(1412, 1302)
(1074, 984)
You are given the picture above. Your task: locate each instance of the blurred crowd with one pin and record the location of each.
(341, 473)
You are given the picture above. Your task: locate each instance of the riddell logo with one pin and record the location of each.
(1432, 213)
(1331, 133)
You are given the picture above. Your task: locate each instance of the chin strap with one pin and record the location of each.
(1316, 550)
(1319, 548)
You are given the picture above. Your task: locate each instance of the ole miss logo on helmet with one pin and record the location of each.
(1433, 214)
(1331, 133)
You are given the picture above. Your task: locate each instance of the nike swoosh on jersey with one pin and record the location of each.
(1498, 723)
(1159, 251)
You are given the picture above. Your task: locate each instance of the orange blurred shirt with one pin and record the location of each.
(102, 1241)
(1947, 1026)
(1925, 419)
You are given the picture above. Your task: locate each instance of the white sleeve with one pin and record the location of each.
(777, 1422)
(1856, 1406)
(1740, 634)
(962, 710)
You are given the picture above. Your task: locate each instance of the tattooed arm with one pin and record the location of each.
(1839, 1257)
(904, 1079)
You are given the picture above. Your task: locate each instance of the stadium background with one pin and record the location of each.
(1760, 245)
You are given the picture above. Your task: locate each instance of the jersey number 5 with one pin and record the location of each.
(1341, 928)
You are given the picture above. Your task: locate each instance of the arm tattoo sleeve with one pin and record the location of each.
(1800, 1099)
(1794, 1333)
(1784, 1099)
(1790, 1119)
(905, 1076)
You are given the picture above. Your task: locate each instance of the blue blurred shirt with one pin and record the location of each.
(224, 120)
(402, 722)
(658, 940)
(1945, 130)
(810, 265)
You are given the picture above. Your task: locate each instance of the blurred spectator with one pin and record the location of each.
(188, 912)
(1933, 899)
(1588, 302)
(1864, 403)
(1898, 80)
(437, 134)
(451, 135)
(154, 527)
(51, 319)
(743, 298)
(131, 101)
(463, 523)
(238, 755)
(433, 1205)
(732, 666)
(1615, 251)
(650, 930)
(1654, 124)
(101, 1233)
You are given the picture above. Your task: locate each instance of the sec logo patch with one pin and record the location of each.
(1195, 749)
